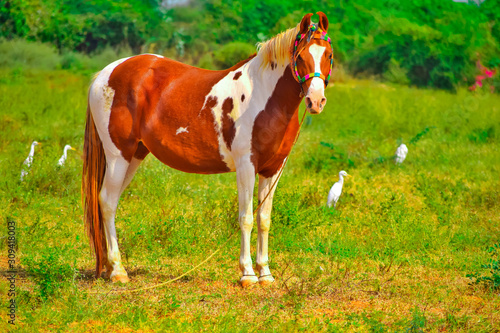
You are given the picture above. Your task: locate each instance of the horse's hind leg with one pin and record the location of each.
(266, 189)
(117, 172)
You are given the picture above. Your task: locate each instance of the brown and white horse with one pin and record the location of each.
(242, 119)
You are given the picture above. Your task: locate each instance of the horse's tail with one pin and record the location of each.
(94, 167)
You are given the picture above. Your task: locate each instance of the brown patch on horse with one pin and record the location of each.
(237, 75)
(228, 128)
(210, 104)
(154, 97)
(276, 127)
(242, 97)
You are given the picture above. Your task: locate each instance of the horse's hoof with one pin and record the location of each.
(266, 280)
(247, 281)
(120, 278)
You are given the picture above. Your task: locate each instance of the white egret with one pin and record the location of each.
(401, 153)
(29, 160)
(336, 190)
(62, 160)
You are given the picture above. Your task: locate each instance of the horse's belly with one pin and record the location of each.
(189, 152)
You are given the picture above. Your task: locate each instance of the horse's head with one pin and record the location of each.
(312, 61)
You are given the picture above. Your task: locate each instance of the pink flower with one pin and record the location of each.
(484, 72)
(489, 73)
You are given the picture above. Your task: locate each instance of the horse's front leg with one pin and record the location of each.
(245, 178)
(266, 189)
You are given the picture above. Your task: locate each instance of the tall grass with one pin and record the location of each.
(393, 256)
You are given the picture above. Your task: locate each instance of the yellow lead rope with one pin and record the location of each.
(123, 291)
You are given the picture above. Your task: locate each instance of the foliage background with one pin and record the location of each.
(421, 42)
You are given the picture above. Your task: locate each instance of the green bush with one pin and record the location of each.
(19, 53)
(493, 266)
(232, 53)
(207, 61)
(395, 73)
(50, 272)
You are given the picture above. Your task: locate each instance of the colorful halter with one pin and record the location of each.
(311, 31)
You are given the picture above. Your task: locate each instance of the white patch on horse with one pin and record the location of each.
(100, 100)
(243, 113)
(181, 130)
(317, 53)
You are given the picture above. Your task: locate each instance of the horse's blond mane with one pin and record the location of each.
(279, 48)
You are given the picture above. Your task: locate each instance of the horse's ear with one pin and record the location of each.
(305, 23)
(323, 21)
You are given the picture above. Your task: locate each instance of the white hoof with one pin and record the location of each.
(123, 278)
(248, 280)
(119, 274)
(266, 280)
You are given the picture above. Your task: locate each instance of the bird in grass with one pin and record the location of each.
(336, 190)
(63, 158)
(401, 153)
(28, 161)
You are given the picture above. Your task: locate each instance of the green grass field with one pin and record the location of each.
(393, 257)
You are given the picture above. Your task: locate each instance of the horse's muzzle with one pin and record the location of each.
(315, 105)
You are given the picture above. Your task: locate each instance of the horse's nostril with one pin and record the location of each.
(323, 101)
(309, 102)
